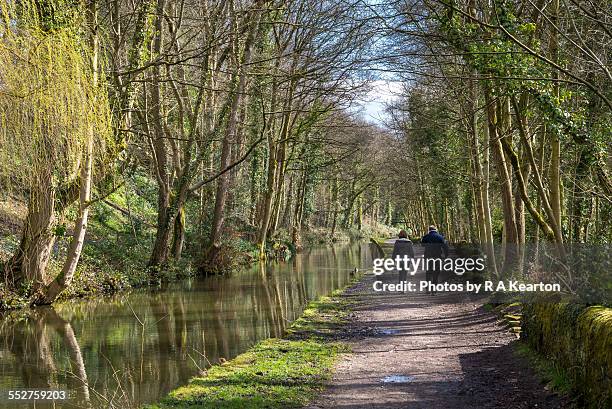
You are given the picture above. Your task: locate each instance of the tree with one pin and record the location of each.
(55, 124)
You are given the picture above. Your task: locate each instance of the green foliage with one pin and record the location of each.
(11, 300)
(549, 371)
(49, 15)
(59, 230)
(49, 104)
(512, 71)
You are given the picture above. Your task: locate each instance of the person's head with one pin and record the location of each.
(432, 228)
(402, 234)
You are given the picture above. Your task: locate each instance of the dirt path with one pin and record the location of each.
(452, 355)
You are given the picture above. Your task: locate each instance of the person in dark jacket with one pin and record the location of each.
(435, 248)
(401, 248)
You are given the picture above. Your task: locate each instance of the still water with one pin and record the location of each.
(135, 348)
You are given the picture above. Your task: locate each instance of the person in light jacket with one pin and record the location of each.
(401, 248)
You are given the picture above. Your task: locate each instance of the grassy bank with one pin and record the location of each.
(275, 373)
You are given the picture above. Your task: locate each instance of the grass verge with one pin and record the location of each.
(547, 370)
(275, 373)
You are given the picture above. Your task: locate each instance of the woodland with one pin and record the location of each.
(140, 138)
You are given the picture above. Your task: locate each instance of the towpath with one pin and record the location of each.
(429, 351)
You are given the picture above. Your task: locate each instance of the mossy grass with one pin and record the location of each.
(275, 373)
(578, 338)
(550, 372)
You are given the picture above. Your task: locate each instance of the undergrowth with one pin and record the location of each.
(551, 373)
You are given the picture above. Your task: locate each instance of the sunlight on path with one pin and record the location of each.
(421, 351)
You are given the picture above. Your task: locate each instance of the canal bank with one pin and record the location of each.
(366, 349)
(136, 347)
(278, 373)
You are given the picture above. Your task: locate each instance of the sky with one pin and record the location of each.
(372, 106)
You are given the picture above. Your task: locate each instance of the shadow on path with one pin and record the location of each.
(450, 351)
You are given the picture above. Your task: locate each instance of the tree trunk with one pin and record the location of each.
(64, 278)
(296, 238)
(286, 220)
(30, 260)
(178, 240)
(281, 160)
(555, 143)
(159, 255)
(360, 213)
(268, 198)
(486, 202)
(551, 229)
(239, 81)
(510, 232)
(334, 208)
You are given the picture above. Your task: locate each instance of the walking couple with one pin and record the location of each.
(435, 248)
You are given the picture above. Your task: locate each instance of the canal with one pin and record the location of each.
(134, 348)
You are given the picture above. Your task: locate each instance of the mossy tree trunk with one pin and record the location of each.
(29, 263)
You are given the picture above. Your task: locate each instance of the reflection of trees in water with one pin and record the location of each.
(262, 300)
(78, 381)
(185, 326)
(221, 312)
(161, 307)
(274, 304)
(297, 271)
(31, 345)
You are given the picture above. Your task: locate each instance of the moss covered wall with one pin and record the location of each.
(579, 340)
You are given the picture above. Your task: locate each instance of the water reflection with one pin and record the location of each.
(135, 348)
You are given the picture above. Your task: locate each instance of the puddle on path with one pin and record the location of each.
(386, 331)
(397, 379)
